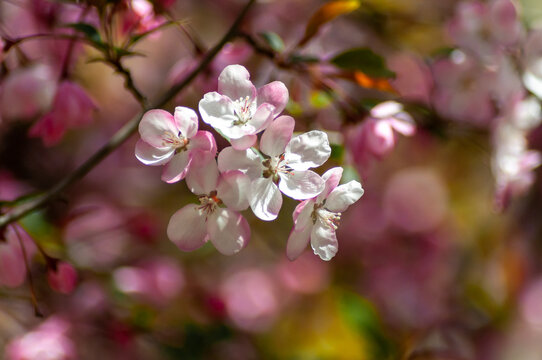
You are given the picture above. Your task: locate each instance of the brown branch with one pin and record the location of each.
(122, 134)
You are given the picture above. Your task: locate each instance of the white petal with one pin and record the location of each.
(301, 185)
(203, 141)
(265, 199)
(186, 120)
(297, 242)
(203, 175)
(303, 214)
(262, 117)
(243, 143)
(332, 177)
(177, 168)
(154, 124)
(149, 155)
(217, 110)
(228, 231)
(308, 150)
(234, 82)
(277, 136)
(324, 241)
(386, 109)
(343, 196)
(246, 161)
(187, 228)
(232, 190)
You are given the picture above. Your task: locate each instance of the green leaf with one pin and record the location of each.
(134, 39)
(320, 99)
(273, 40)
(337, 152)
(297, 58)
(88, 30)
(361, 315)
(364, 60)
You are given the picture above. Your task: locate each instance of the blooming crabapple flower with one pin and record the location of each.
(190, 227)
(287, 163)
(482, 28)
(463, 89)
(140, 16)
(376, 136)
(28, 92)
(172, 140)
(317, 219)
(238, 110)
(63, 279)
(49, 341)
(72, 108)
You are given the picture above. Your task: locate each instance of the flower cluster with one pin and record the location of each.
(249, 173)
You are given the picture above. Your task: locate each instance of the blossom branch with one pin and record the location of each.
(122, 134)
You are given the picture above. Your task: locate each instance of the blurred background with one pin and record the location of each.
(440, 259)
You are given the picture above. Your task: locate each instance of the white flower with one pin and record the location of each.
(193, 225)
(317, 219)
(287, 162)
(238, 110)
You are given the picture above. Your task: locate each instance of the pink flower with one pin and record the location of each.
(172, 140)
(413, 79)
(12, 261)
(157, 281)
(463, 90)
(63, 279)
(376, 137)
(482, 28)
(287, 162)
(238, 110)
(193, 225)
(317, 219)
(49, 341)
(72, 108)
(27, 92)
(532, 77)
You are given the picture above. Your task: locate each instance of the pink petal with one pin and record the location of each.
(302, 215)
(63, 279)
(301, 184)
(277, 136)
(203, 175)
(232, 188)
(177, 168)
(203, 141)
(187, 228)
(244, 142)
(403, 124)
(262, 117)
(234, 82)
(186, 120)
(153, 126)
(331, 178)
(228, 231)
(246, 161)
(505, 24)
(307, 150)
(380, 136)
(297, 242)
(12, 269)
(149, 155)
(274, 93)
(50, 128)
(324, 241)
(265, 199)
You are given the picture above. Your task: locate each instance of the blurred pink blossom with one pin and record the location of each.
(306, 275)
(413, 79)
(463, 90)
(72, 108)
(12, 260)
(27, 92)
(157, 281)
(64, 279)
(251, 299)
(49, 341)
(532, 49)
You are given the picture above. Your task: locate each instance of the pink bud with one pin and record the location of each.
(63, 279)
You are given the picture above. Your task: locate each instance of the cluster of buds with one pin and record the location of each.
(249, 173)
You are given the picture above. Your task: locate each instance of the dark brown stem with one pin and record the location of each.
(122, 134)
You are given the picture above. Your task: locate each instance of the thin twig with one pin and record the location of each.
(122, 134)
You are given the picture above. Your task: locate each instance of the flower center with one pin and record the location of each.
(209, 203)
(330, 218)
(176, 141)
(274, 166)
(243, 110)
